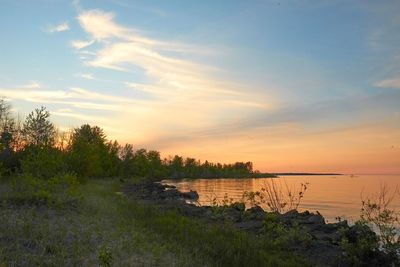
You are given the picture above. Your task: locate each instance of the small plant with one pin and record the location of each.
(104, 255)
(360, 246)
(376, 212)
(282, 235)
(218, 202)
(277, 196)
(226, 201)
(253, 198)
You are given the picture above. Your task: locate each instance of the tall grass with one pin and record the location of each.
(111, 229)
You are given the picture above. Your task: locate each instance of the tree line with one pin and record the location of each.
(36, 146)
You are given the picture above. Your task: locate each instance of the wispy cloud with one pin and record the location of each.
(32, 84)
(66, 113)
(391, 83)
(169, 76)
(62, 27)
(81, 44)
(86, 76)
(74, 97)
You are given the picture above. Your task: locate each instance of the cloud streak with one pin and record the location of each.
(62, 27)
(86, 76)
(81, 44)
(390, 83)
(76, 97)
(32, 84)
(170, 76)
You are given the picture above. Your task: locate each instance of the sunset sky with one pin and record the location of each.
(305, 86)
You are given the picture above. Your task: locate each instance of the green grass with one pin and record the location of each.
(110, 229)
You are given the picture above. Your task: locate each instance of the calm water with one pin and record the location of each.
(332, 196)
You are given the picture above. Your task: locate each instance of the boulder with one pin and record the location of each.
(193, 195)
(254, 213)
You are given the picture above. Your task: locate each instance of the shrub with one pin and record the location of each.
(104, 255)
(43, 162)
(277, 196)
(58, 190)
(283, 235)
(361, 246)
(376, 211)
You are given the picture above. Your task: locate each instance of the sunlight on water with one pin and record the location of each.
(332, 196)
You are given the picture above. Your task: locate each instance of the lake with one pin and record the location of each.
(331, 195)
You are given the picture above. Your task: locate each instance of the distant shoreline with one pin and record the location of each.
(304, 173)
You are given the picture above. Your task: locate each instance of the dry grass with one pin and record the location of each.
(43, 236)
(277, 195)
(109, 229)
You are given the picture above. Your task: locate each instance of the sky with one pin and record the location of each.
(301, 86)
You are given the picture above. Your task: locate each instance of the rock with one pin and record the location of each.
(167, 186)
(254, 213)
(316, 219)
(239, 206)
(170, 194)
(311, 220)
(190, 195)
(252, 225)
(307, 232)
(232, 214)
(360, 231)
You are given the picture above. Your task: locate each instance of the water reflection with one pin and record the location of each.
(332, 196)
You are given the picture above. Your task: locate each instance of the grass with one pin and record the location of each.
(109, 229)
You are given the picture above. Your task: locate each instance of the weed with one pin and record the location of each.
(105, 257)
(277, 196)
(376, 211)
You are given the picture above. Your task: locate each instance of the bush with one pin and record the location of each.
(276, 196)
(43, 163)
(104, 255)
(282, 235)
(58, 190)
(361, 247)
(376, 212)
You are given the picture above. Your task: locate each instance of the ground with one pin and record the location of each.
(109, 229)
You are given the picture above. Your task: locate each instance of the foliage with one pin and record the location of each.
(7, 126)
(360, 245)
(137, 235)
(44, 162)
(90, 155)
(277, 196)
(282, 235)
(377, 213)
(105, 256)
(8, 138)
(87, 152)
(56, 191)
(178, 167)
(37, 129)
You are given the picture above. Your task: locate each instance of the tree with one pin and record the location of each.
(156, 170)
(176, 167)
(37, 129)
(90, 153)
(7, 125)
(9, 133)
(89, 134)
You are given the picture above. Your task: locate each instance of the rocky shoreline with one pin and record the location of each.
(319, 242)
